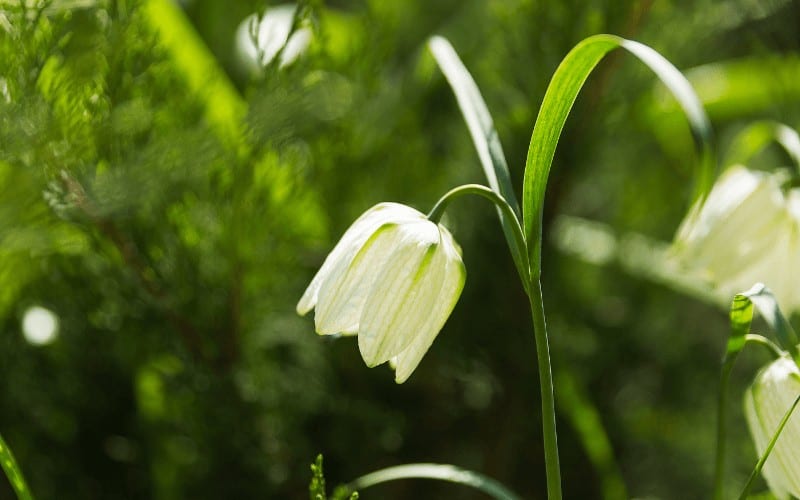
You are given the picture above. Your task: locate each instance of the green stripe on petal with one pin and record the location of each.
(455, 275)
(344, 292)
(351, 242)
(766, 401)
(393, 311)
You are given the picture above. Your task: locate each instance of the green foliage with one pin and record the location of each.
(316, 488)
(172, 230)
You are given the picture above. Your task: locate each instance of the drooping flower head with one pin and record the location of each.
(747, 231)
(393, 279)
(773, 392)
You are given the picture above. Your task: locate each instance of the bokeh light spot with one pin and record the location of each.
(39, 325)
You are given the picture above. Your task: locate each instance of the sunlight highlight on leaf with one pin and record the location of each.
(225, 108)
(484, 136)
(13, 472)
(558, 101)
(441, 472)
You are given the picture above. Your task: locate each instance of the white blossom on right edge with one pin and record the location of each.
(765, 403)
(747, 231)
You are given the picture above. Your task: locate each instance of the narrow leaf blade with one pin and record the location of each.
(559, 98)
(13, 472)
(441, 472)
(485, 138)
(477, 117)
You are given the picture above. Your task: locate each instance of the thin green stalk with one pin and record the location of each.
(516, 244)
(763, 459)
(741, 318)
(533, 287)
(722, 431)
(722, 405)
(552, 467)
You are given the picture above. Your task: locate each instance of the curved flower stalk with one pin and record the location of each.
(766, 402)
(748, 230)
(393, 279)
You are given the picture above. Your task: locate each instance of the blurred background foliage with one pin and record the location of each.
(169, 201)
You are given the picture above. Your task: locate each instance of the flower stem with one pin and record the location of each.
(533, 287)
(722, 405)
(508, 219)
(552, 467)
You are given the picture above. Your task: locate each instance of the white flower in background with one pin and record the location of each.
(747, 231)
(393, 279)
(272, 34)
(766, 402)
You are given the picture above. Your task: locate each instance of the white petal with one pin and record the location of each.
(761, 440)
(741, 233)
(396, 304)
(350, 243)
(730, 190)
(772, 266)
(453, 278)
(771, 395)
(791, 269)
(344, 291)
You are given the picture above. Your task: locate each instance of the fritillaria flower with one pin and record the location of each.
(747, 231)
(393, 279)
(773, 392)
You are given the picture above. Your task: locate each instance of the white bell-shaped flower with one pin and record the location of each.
(393, 279)
(747, 231)
(766, 402)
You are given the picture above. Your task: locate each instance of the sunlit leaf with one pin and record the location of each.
(558, 100)
(441, 472)
(13, 472)
(484, 135)
(225, 108)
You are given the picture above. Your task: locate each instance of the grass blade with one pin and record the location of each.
(479, 121)
(484, 136)
(441, 472)
(13, 472)
(558, 101)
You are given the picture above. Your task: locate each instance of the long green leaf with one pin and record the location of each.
(761, 297)
(13, 472)
(758, 135)
(484, 135)
(441, 472)
(478, 119)
(558, 101)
